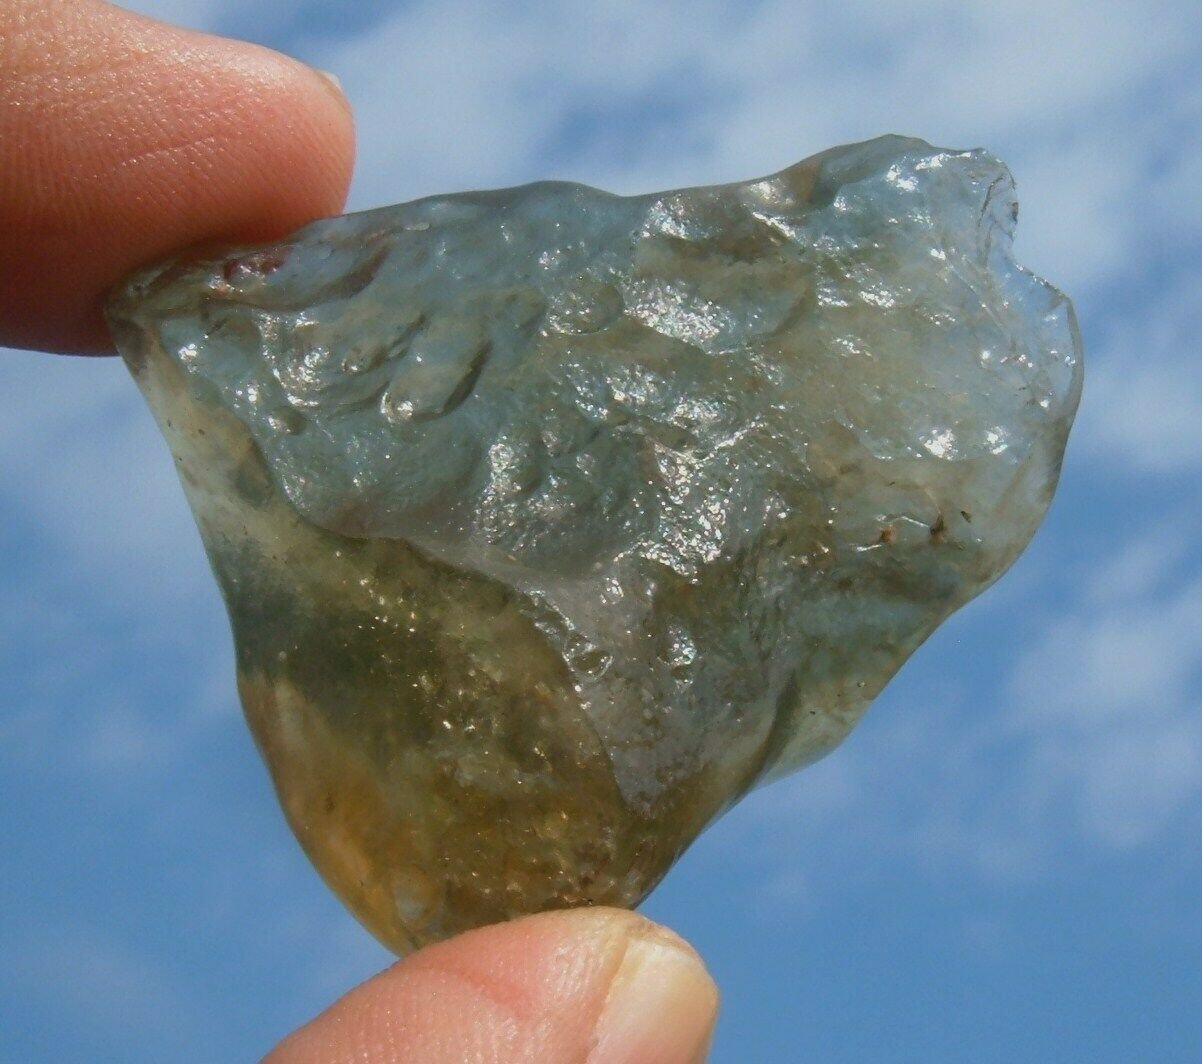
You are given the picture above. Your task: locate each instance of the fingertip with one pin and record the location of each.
(126, 139)
(601, 985)
(661, 1004)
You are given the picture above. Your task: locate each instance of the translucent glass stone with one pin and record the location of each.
(551, 521)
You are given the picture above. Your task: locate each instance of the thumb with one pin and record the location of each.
(596, 985)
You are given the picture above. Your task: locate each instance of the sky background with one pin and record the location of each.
(1003, 863)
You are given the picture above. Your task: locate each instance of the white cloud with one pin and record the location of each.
(1145, 418)
(1091, 104)
(1118, 659)
(1175, 178)
(1148, 566)
(87, 468)
(473, 94)
(100, 987)
(1106, 697)
(1143, 404)
(1136, 781)
(113, 563)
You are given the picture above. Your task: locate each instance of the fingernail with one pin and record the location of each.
(661, 1005)
(331, 78)
(334, 85)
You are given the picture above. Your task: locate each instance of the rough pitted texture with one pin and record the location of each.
(550, 521)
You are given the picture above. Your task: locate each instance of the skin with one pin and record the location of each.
(123, 140)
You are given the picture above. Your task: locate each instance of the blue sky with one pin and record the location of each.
(1003, 863)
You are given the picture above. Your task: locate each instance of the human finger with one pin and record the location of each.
(124, 139)
(601, 986)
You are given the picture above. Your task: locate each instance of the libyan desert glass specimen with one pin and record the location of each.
(551, 521)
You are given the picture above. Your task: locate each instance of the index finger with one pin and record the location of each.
(123, 139)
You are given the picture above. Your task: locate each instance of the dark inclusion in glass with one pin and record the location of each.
(551, 521)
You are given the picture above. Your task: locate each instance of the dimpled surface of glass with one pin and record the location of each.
(551, 521)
